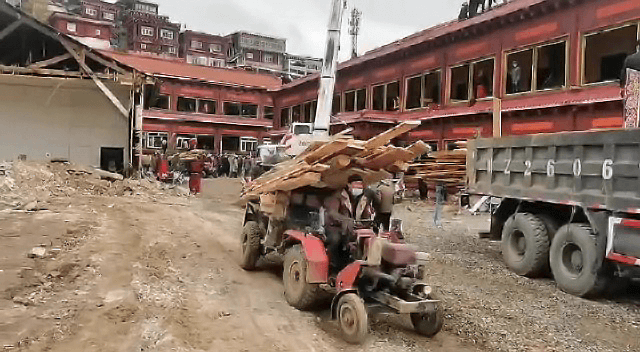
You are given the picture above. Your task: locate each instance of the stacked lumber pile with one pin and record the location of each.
(448, 167)
(329, 164)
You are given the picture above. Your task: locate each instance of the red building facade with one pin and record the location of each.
(146, 31)
(537, 65)
(225, 110)
(204, 49)
(92, 22)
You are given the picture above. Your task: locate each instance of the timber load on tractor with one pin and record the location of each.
(308, 213)
(570, 204)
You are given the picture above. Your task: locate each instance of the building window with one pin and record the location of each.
(71, 27)
(186, 104)
(143, 46)
(605, 52)
(161, 102)
(423, 90)
(378, 98)
(196, 44)
(309, 111)
(215, 48)
(240, 109)
(296, 113)
(538, 68)
(361, 99)
(110, 16)
(146, 31)
(249, 56)
(350, 101)
(166, 34)
(248, 144)
(207, 106)
(285, 117)
(202, 60)
(268, 58)
(98, 32)
(182, 141)
(472, 81)
(336, 106)
(216, 62)
(155, 139)
(91, 12)
(172, 50)
(268, 112)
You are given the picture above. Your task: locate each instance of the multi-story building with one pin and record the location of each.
(204, 49)
(142, 29)
(298, 66)
(260, 52)
(91, 22)
(226, 110)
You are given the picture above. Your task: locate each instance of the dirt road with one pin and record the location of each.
(139, 273)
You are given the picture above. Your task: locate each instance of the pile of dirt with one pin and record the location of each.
(29, 185)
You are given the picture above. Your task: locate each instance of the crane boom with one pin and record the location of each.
(329, 68)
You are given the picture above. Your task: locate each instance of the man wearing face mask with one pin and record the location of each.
(339, 221)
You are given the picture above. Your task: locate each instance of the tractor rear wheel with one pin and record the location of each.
(429, 323)
(299, 293)
(250, 240)
(353, 319)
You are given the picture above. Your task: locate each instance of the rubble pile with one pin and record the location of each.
(329, 164)
(29, 185)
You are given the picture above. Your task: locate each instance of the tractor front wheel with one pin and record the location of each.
(353, 319)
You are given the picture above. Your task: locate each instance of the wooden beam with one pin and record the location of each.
(52, 61)
(39, 71)
(10, 28)
(386, 137)
(95, 79)
(102, 61)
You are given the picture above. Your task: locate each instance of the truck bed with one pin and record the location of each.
(596, 169)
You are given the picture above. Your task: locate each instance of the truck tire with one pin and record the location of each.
(525, 245)
(353, 318)
(577, 261)
(250, 240)
(298, 292)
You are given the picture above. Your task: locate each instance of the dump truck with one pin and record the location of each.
(570, 204)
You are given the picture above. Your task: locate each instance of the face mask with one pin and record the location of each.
(356, 192)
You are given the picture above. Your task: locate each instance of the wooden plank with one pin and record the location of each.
(387, 136)
(52, 61)
(303, 180)
(110, 65)
(39, 71)
(339, 162)
(326, 151)
(101, 86)
(419, 148)
(10, 28)
(392, 155)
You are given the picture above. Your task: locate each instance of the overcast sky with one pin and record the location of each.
(304, 22)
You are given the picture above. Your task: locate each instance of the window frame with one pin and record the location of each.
(172, 50)
(164, 31)
(90, 11)
(241, 105)
(248, 140)
(169, 98)
(215, 45)
(355, 99)
(534, 66)
(272, 114)
(155, 135)
(248, 56)
(144, 29)
(73, 25)
(384, 95)
(406, 91)
(186, 97)
(583, 49)
(196, 44)
(109, 16)
(288, 122)
(215, 106)
(470, 93)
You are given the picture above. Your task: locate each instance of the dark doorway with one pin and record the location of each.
(112, 159)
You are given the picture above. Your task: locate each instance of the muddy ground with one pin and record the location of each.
(145, 273)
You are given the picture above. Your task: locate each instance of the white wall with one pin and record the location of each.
(46, 118)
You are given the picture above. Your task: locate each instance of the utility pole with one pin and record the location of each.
(354, 31)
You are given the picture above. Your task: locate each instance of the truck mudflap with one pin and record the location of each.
(623, 241)
(315, 253)
(405, 307)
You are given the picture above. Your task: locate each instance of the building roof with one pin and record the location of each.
(429, 34)
(160, 67)
(78, 18)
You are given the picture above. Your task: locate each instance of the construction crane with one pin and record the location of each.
(301, 134)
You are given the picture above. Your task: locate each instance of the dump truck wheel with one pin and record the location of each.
(577, 262)
(353, 319)
(429, 323)
(299, 293)
(250, 240)
(525, 245)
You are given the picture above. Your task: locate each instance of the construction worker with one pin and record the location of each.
(630, 88)
(631, 62)
(339, 221)
(383, 204)
(441, 198)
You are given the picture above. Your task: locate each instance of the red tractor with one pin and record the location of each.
(383, 271)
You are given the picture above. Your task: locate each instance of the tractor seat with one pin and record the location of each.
(398, 254)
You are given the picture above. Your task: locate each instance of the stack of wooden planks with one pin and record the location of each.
(448, 167)
(329, 164)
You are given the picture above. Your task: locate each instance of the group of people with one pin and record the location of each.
(475, 7)
(235, 166)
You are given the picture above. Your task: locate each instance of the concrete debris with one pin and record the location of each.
(37, 252)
